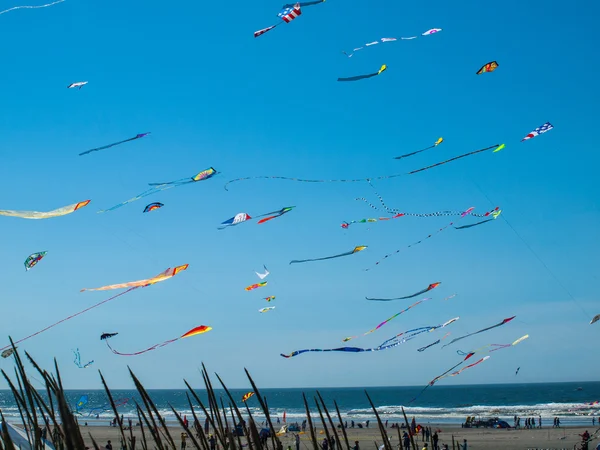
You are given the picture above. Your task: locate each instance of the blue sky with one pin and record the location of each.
(212, 95)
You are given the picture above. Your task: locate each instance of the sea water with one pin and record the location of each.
(438, 404)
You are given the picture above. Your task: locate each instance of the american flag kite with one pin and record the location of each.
(263, 31)
(289, 14)
(539, 130)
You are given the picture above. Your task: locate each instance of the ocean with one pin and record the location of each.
(439, 404)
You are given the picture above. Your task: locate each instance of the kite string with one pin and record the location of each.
(535, 254)
(31, 7)
(70, 317)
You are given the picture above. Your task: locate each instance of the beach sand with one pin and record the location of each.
(477, 438)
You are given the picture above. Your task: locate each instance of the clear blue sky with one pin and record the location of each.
(212, 95)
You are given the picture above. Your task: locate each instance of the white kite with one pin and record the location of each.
(262, 276)
(78, 84)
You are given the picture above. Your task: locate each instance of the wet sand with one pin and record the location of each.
(477, 438)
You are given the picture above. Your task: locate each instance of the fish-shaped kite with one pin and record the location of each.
(193, 332)
(107, 335)
(169, 273)
(247, 396)
(153, 206)
(427, 289)
(269, 298)
(431, 31)
(137, 136)
(360, 248)
(489, 67)
(256, 286)
(539, 130)
(45, 215)
(279, 213)
(362, 77)
(6, 353)
(157, 187)
(595, 319)
(33, 259)
(78, 84)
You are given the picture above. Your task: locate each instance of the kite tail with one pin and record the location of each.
(154, 347)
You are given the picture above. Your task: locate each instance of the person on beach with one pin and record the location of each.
(425, 446)
(540, 421)
(212, 442)
(325, 444)
(427, 433)
(593, 421)
(297, 437)
(423, 434)
(435, 439)
(406, 441)
(356, 446)
(108, 446)
(183, 439)
(463, 446)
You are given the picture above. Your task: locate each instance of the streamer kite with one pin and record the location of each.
(539, 130)
(505, 321)
(595, 319)
(31, 7)
(193, 332)
(264, 275)
(270, 298)
(494, 215)
(517, 372)
(33, 259)
(104, 336)
(287, 14)
(362, 77)
(464, 214)
(78, 84)
(45, 215)
(422, 349)
(431, 31)
(382, 40)
(264, 310)
(388, 320)
(435, 144)
(489, 67)
(427, 289)
(169, 273)
(360, 248)
(390, 343)
(247, 396)
(153, 206)
(495, 148)
(276, 214)
(157, 187)
(256, 286)
(137, 136)
(77, 360)
(489, 348)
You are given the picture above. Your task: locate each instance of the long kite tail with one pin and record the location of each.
(505, 321)
(455, 158)
(112, 145)
(71, 316)
(296, 261)
(414, 153)
(154, 347)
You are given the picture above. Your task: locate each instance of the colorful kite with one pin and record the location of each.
(279, 213)
(287, 14)
(104, 336)
(362, 77)
(496, 148)
(6, 353)
(256, 286)
(390, 343)
(264, 275)
(435, 144)
(157, 187)
(355, 250)
(427, 289)
(193, 332)
(264, 310)
(494, 215)
(169, 273)
(489, 67)
(31, 7)
(153, 206)
(595, 319)
(77, 360)
(464, 214)
(33, 259)
(388, 320)
(235, 220)
(79, 85)
(45, 215)
(156, 279)
(137, 136)
(505, 321)
(539, 130)
(270, 298)
(247, 396)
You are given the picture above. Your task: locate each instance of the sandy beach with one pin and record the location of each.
(498, 439)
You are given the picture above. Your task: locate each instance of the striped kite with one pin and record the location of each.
(153, 206)
(256, 286)
(45, 215)
(33, 259)
(247, 396)
(539, 130)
